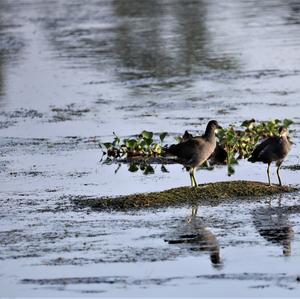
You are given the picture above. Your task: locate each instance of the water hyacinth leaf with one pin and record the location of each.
(230, 134)
(271, 125)
(115, 135)
(141, 143)
(124, 142)
(247, 123)
(287, 122)
(108, 161)
(164, 169)
(148, 142)
(108, 145)
(149, 170)
(147, 134)
(230, 170)
(117, 140)
(162, 136)
(133, 167)
(131, 143)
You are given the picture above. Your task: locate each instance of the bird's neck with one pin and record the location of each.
(209, 134)
(285, 139)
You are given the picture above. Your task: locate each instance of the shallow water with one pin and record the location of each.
(71, 73)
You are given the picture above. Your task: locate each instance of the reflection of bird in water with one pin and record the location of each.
(196, 237)
(274, 226)
(272, 149)
(194, 151)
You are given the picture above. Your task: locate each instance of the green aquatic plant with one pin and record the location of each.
(136, 151)
(144, 167)
(239, 143)
(209, 194)
(144, 145)
(142, 150)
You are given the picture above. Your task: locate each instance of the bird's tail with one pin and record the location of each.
(171, 149)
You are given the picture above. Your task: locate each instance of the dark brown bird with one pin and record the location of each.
(219, 155)
(194, 151)
(272, 149)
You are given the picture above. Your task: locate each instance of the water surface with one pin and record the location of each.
(71, 73)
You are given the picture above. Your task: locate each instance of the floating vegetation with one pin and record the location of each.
(144, 146)
(211, 194)
(239, 144)
(149, 148)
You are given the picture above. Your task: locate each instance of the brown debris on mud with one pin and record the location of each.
(212, 194)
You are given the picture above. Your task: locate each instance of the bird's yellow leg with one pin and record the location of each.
(279, 180)
(194, 178)
(194, 210)
(268, 172)
(191, 177)
(193, 215)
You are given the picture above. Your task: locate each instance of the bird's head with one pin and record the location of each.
(186, 136)
(213, 125)
(283, 132)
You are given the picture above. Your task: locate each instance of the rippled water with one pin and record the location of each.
(71, 73)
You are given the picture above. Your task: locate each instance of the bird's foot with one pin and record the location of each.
(195, 186)
(269, 202)
(204, 186)
(189, 219)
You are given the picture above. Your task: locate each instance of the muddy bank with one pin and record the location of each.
(211, 193)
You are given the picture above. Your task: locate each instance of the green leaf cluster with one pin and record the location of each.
(144, 167)
(239, 143)
(144, 145)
